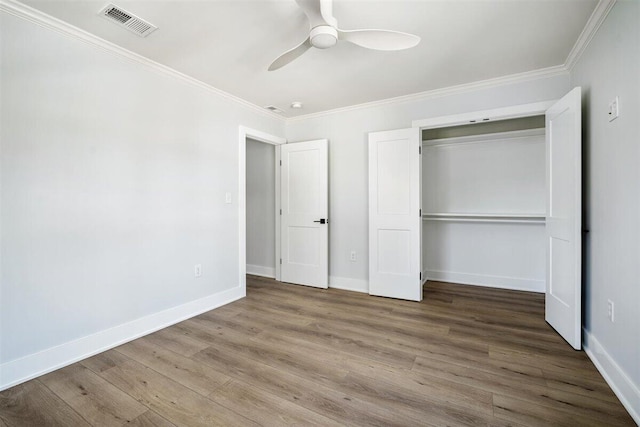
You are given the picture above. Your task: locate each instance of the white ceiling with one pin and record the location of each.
(229, 44)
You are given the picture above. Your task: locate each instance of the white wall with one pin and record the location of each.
(502, 174)
(492, 254)
(261, 205)
(610, 67)
(113, 179)
(348, 158)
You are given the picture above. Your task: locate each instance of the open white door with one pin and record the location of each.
(304, 221)
(395, 218)
(563, 302)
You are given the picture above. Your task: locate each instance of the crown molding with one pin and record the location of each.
(596, 19)
(590, 29)
(447, 91)
(42, 19)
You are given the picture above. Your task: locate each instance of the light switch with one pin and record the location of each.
(614, 109)
(227, 198)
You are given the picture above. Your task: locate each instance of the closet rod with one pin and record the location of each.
(496, 218)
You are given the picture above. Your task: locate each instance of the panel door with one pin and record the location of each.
(563, 300)
(394, 214)
(304, 220)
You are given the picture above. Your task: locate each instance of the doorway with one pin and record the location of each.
(261, 208)
(251, 136)
(301, 194)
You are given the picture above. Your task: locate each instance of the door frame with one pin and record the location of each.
(244, 133)
(473, 117)
(482, 116)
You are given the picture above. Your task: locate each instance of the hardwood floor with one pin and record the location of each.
(292, 355)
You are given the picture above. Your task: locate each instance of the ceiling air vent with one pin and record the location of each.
(273, 109)
(127, 20)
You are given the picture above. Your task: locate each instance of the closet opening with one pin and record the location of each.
(490, 198)
(483, 203)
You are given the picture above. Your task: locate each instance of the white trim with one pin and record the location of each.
(598, 16)
(486, 280)
(26, 368)
(35, 16)
(278, 205)
(511, 135)
(349, 284)
(446, 91)
(511, 112)
(596, 19)
(262, 136)
(496, 219)
(590, 29)
(621, 384)
(244, 133)
(262, 271)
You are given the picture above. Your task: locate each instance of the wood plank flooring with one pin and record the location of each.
(292, 355)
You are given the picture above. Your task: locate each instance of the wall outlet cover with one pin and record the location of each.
(614, 109)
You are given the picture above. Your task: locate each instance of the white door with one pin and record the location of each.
(395, 218)
(563, 308)
(304, 221)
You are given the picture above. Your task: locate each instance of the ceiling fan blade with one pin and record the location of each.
(290, 55)
(326, 10)
(379, 39)
(313, 10)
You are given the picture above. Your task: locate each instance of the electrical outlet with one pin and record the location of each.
(352, 256)
(227, 198)
(610, 310)
(197, 270)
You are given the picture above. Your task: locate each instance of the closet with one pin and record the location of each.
(483, 204)
(489, 198)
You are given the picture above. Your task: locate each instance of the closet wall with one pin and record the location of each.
(483, 205)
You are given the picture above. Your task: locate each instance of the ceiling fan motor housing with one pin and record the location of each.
(323, 36)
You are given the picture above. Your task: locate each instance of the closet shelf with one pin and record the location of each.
(533, 218)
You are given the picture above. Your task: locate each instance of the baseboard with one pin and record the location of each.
(348, 284)
(259, 270)
(502, 282)
(618, 380)
(26, 368)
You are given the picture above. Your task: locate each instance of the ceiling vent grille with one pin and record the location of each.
(273, 109)
(127, 20)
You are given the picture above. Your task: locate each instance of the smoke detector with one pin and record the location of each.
(127, 20)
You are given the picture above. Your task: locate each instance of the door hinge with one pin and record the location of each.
(421, 275)
(280, 211)
(280, 162)
(280, 261)
(420, 150)
(420, 213)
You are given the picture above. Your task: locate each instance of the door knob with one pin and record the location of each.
(321, 221)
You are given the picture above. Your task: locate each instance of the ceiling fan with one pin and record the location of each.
(325, 33)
